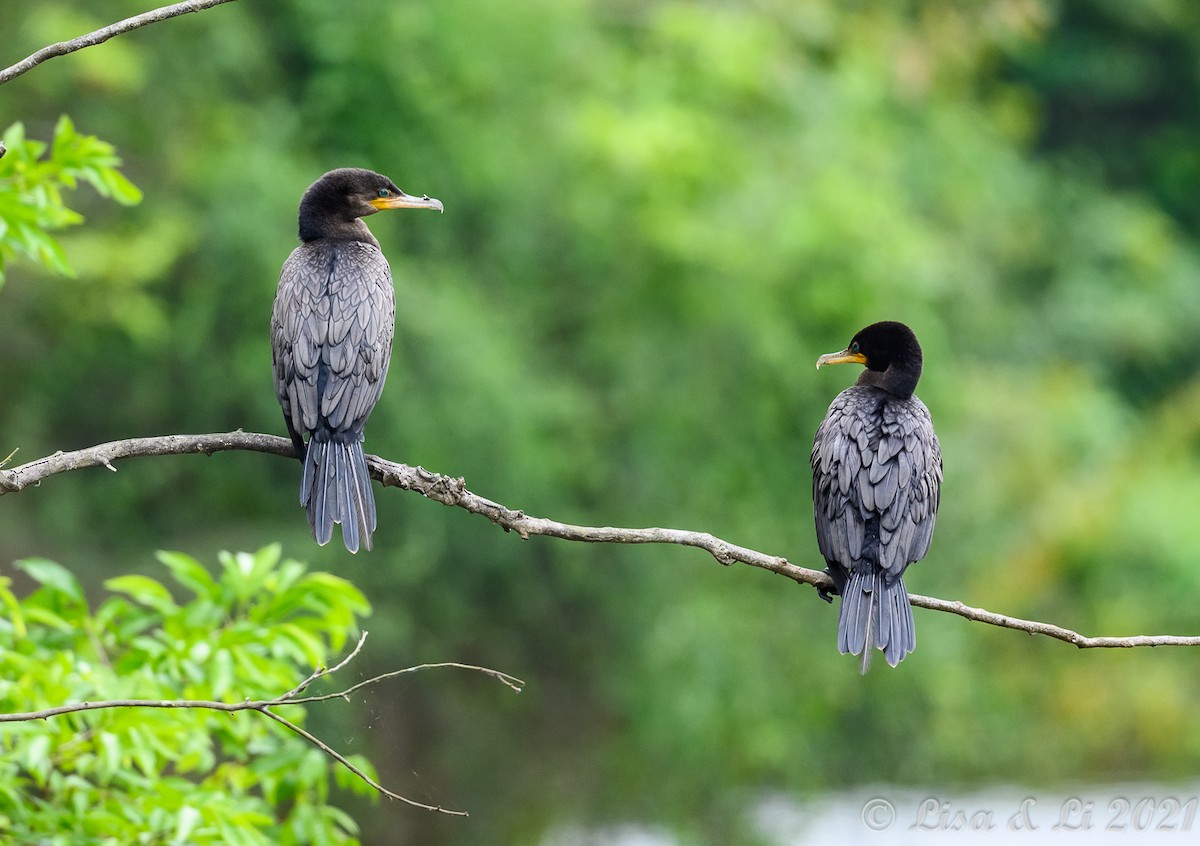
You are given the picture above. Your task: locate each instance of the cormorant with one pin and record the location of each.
(877, 477)
(331, 341)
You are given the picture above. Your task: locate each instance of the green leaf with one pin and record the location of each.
(39, 246)
(146, 591)
(221, 673)
(187, 818)
(46, 617)
(190, 573)
(64, 133)
(245, 573)
(15, 618)
(110, 748)
(35, 757)
(308, 645)
(52, 576)
(340, 818)
(14, 136)
(120, 188)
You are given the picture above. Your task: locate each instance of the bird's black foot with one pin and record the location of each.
(829, 593)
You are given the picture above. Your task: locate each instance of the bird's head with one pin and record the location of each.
(891, 354)
(333, 204)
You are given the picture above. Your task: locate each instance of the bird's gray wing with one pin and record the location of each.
(837, 463)
(907, 480)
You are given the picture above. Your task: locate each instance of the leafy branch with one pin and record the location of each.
(31, 203)
(33, 177)
(452, 491)
(247, 632)
(292, 697)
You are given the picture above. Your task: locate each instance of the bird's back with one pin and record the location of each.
(877, 473)
(331, 336)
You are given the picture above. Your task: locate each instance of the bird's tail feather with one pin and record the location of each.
(336, 488)
(875, 614)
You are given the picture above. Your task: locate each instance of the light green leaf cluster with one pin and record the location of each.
(141, 775)
(33, 177)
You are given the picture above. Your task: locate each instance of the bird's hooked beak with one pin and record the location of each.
(400, 200)
(843, 357)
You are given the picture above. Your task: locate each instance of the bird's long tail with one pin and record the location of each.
(336, 488)
(875, 613)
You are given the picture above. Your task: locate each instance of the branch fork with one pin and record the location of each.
(292, 697)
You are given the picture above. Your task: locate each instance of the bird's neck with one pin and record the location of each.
(315, 227)
(900, 380)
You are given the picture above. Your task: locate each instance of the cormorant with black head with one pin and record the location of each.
(331, 343)
(877, 476)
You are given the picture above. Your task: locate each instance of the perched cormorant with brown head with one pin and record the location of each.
(877, 476)
(331, 341)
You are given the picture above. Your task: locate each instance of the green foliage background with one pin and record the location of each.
(657, 215)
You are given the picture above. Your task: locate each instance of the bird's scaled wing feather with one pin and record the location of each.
(331, 335)
(870, 464)
(360, 337)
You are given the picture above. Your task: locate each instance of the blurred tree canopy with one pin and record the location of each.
(657, 215)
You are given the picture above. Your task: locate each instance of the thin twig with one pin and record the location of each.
(319, 672)
(341, 759)
(453, 491)
(244, 705)
(101, 35)
(264, 706)
(511, 681)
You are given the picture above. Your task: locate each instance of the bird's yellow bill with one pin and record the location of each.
(843, 357)
(406, 201)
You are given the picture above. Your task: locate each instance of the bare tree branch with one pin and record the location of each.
(321, 672)
(62, 48)
(263, 706)
(337, 756)
(453, 491)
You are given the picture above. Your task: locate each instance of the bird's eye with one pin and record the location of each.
(854, 347)
(383, 192)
